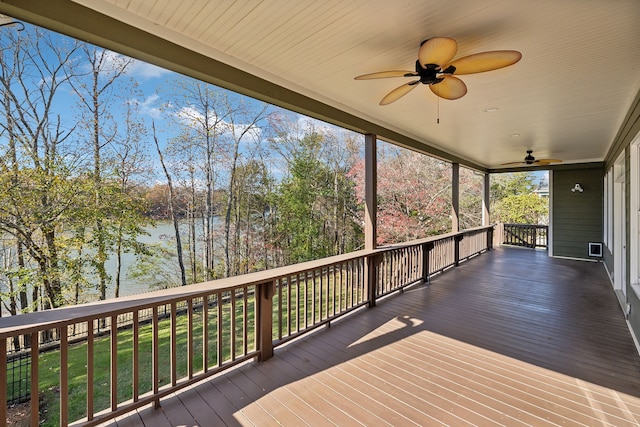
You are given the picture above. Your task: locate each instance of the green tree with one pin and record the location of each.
(315, 203)
(41, 188)
(513, 199)
(510, 184)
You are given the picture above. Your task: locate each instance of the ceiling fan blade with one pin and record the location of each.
(547, 161)
(513, 164)
(438, 50)
(399, 92)
(485, 61)
(449, 88)
(386, 74)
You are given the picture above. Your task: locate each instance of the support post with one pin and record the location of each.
(370, 215)
(370, 190)
(486, 199)
(265, 320)
(455, 197)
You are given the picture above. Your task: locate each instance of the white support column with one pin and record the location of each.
(370, 190)
(486, 187)
(455, 197)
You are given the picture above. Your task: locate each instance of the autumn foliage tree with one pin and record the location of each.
(414, 194)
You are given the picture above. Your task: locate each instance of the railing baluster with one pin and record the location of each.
(313, 299)
(173, 345)
(35, 392)
(289, 311)
(232, 325)
(3, 381)
(90, 369)
(114, 362)
(135, 370)
(280, 292)
(190, 338)
(64, 375)
(245, 319)
(327, 295)
(334, 292)
(342, 290)
(205, 333)
(155, 371)
(219, 325)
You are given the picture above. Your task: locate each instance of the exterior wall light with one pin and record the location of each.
(577, 188)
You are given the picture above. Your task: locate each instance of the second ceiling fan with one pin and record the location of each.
(529, 160)
(435, 69)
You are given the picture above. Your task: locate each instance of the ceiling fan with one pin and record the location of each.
(434, 68)
(529, 160)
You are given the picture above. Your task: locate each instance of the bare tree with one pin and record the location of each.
(172, 210)
(96, 96)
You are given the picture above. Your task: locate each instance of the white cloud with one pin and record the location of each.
(146, 70)
(136, 68)
(150, 105)
(191, 116)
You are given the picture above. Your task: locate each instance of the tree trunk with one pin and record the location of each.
(183, 276)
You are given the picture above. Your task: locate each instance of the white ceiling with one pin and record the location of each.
(566, 98)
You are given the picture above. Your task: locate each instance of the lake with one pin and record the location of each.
(162, 232)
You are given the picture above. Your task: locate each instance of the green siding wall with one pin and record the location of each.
(576, 217)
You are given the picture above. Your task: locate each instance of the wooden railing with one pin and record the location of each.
(212, 326)
(526, 235)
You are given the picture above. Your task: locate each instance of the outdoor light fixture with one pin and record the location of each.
(577, 188)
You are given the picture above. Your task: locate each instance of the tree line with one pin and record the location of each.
(85, 171)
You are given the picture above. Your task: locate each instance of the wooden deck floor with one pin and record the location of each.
(509, 338)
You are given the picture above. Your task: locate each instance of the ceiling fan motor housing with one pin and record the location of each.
(529, 159)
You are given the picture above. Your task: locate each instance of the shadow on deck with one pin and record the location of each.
(511, 337)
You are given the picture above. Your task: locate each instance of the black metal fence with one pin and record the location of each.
(18, 377)
(526, 235)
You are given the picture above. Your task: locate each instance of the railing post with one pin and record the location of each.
(371, 278)
(426, 249)
(456, 248)
(490, 238)
(265, 320)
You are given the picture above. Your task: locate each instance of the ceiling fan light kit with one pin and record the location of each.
(435, 69)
